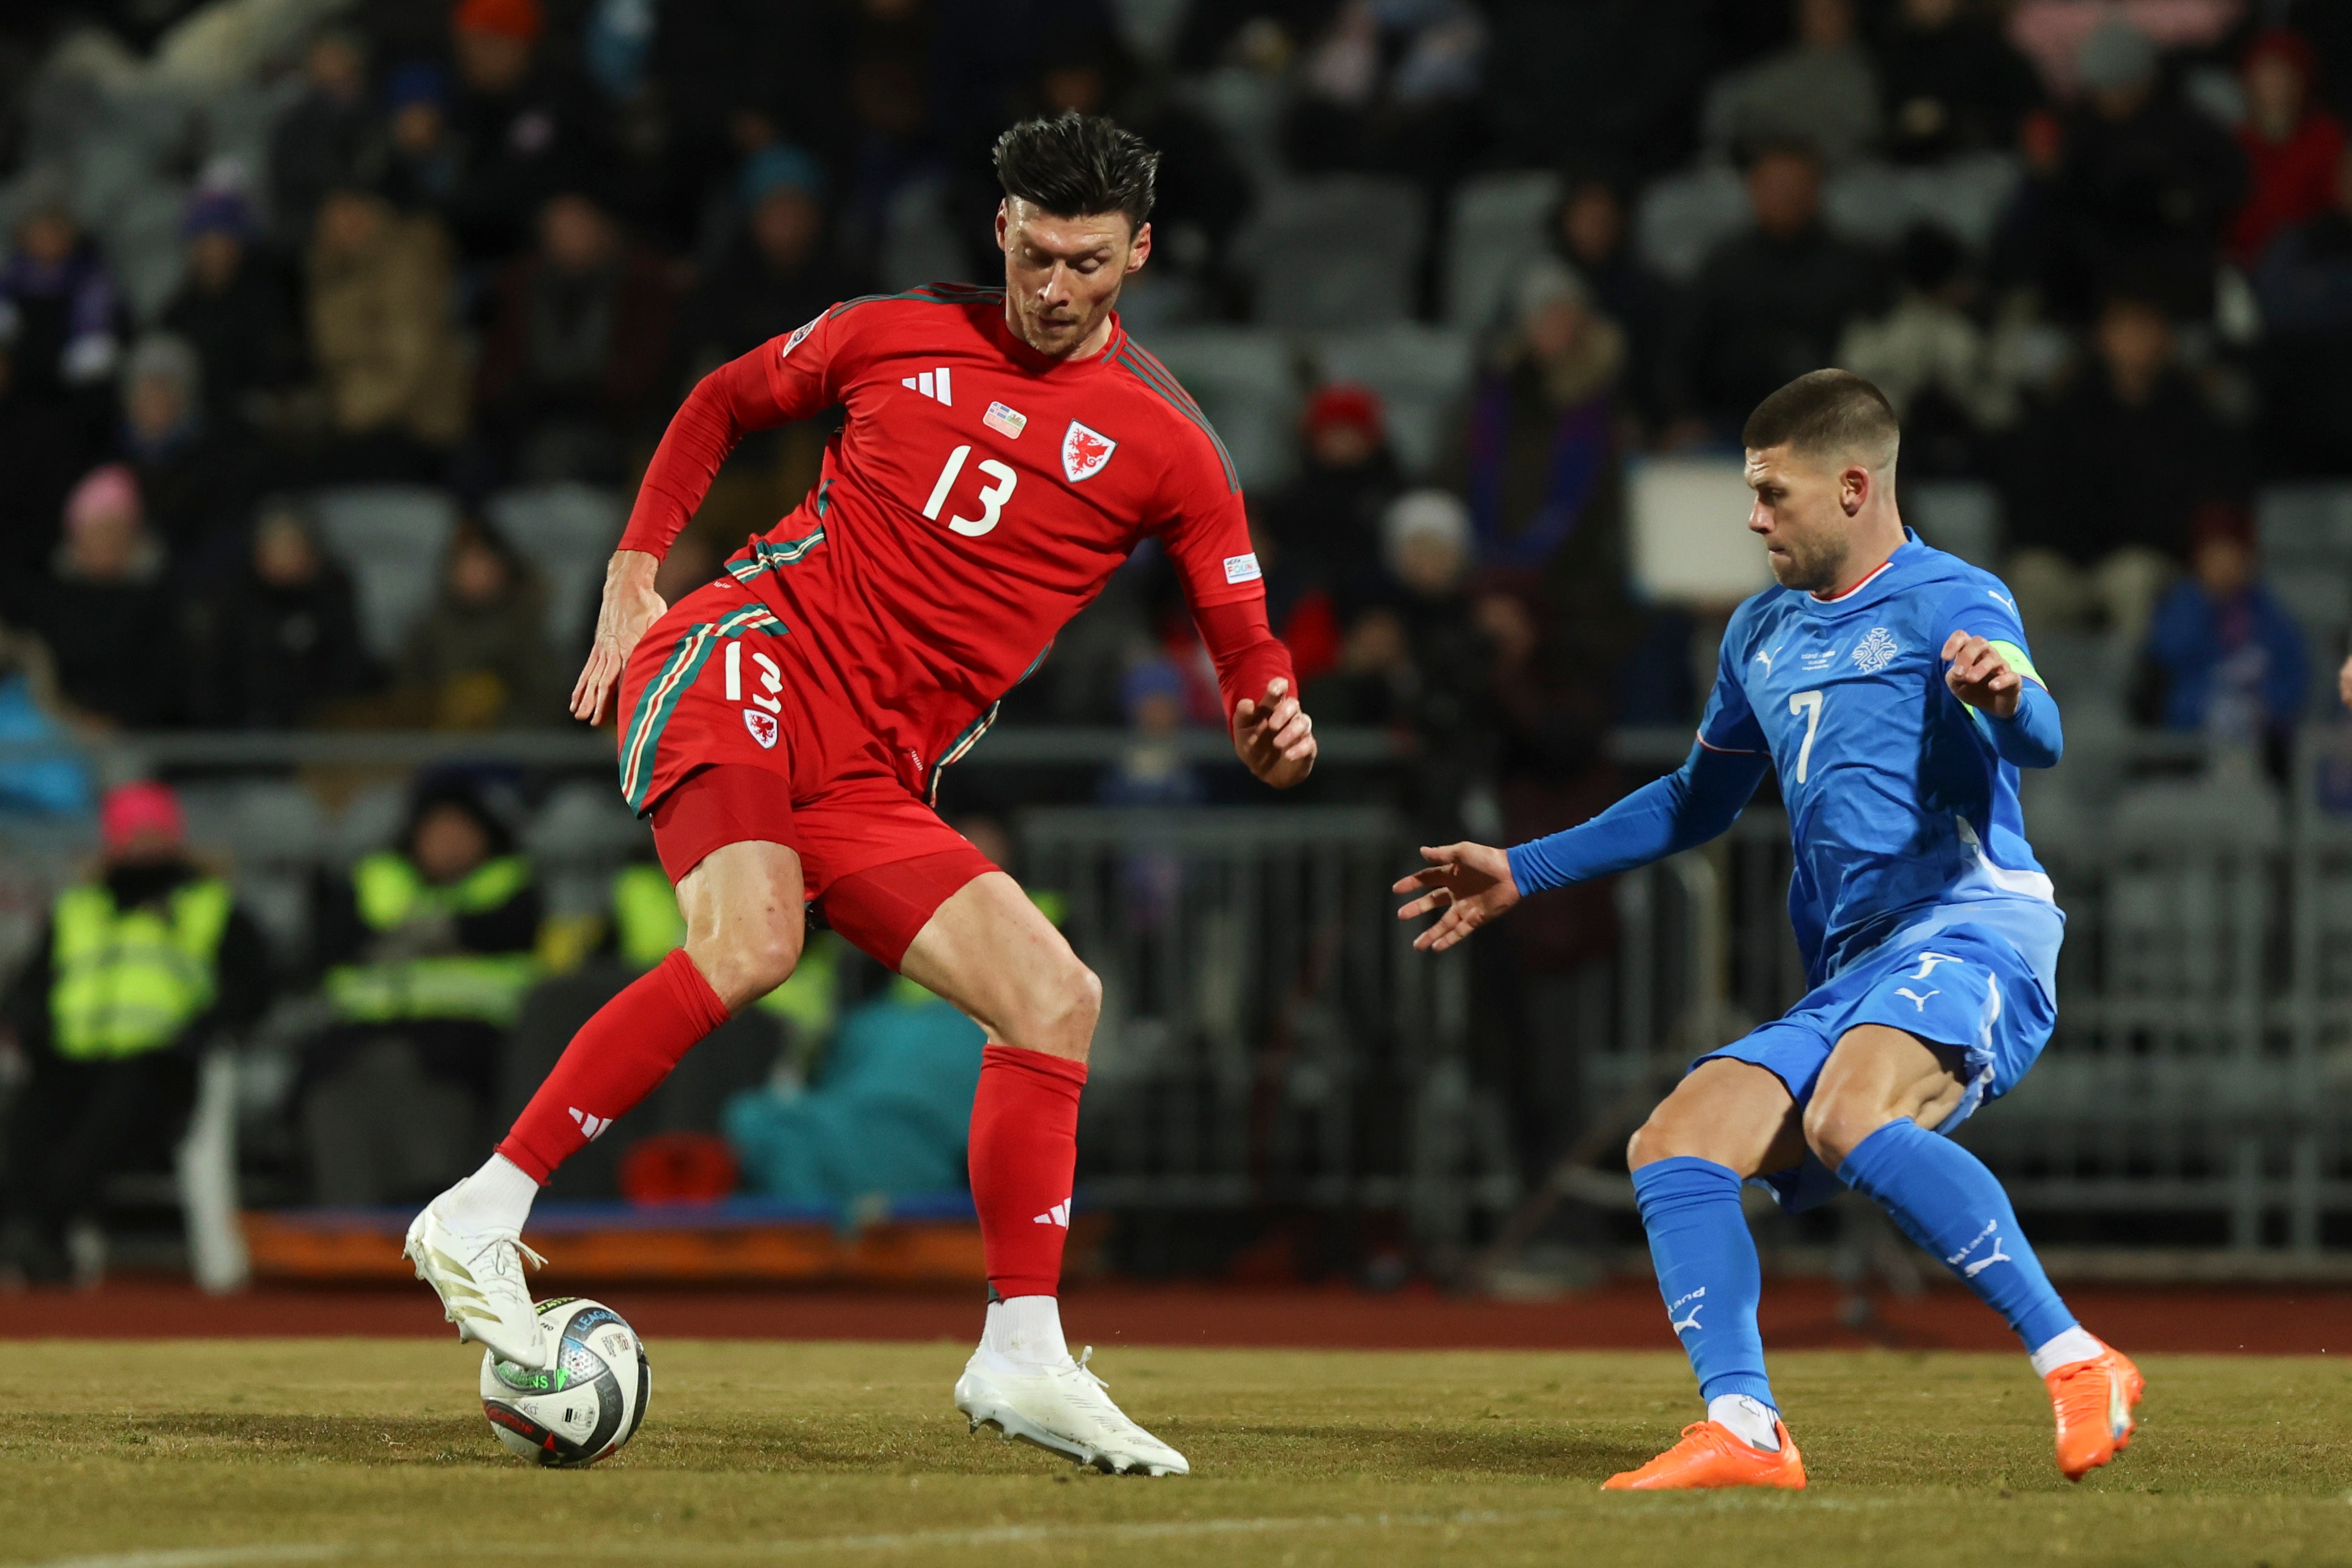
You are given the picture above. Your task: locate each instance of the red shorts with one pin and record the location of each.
(726, 734)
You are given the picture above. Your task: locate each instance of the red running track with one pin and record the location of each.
(1626, 1315)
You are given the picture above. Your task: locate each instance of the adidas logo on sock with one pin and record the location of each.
(932, 385)
(1057, 1215)
(593, 1125)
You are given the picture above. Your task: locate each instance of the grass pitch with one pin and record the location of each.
(213, 1454)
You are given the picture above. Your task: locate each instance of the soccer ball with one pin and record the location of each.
(583, 1406)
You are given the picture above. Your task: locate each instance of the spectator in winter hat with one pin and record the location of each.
(234, 306)
(56, 286)
(110, 620)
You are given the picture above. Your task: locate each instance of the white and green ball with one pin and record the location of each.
(588, 1401)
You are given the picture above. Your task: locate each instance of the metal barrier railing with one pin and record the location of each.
(2198, 1090)
(1269, 1037)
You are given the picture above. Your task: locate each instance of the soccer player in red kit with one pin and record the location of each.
(784, 727)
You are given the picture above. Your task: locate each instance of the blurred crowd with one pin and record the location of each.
(269, 262)
(486, 245)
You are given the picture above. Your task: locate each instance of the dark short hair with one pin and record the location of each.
(1832, 413)
(1077, 165)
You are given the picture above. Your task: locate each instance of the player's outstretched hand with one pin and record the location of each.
(1274, 736)
(1980, 677)
(1471, 882)
(630, 606)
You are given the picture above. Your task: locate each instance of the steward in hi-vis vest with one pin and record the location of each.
(425, 952)
(137, 968)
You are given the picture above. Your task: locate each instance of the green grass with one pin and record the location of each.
(195, 1454)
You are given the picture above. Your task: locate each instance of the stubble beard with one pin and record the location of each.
(1813, 566)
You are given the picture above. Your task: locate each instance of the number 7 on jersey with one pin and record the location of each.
(1810, 704)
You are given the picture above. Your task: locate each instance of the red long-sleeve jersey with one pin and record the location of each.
(980, 494)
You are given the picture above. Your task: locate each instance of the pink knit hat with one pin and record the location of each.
(138, 810)
(103, 491)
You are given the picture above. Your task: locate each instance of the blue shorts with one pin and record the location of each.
(1961, 985)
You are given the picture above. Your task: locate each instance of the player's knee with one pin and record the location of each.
(1063, 1009)
(751, 961)
(1836, 1123)
(1655, 1140)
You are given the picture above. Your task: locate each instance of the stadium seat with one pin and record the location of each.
(1683, 216)
(1334, 253)
(2298, 523)
(578, 837)
(1498, 223)
(1874, 203)
(1247, 384)
(567, 531)
(918, 244)
(369, 821)
(392, 538)
(1963, 516)
(142, 236)
(1422, 374)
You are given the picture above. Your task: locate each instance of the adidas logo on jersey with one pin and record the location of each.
(932, 385)
(593, 1125)
(1057, 1215)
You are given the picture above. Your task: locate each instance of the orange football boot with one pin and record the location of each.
(2094, 1399)
(1712, 1455)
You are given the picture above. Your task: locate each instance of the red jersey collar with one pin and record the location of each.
(1036, 364)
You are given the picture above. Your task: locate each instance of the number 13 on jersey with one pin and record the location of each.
(991, 498)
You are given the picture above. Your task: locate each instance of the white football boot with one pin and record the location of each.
(478, 1276)
(1063, 1408)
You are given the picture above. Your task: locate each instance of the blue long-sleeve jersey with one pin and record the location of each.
(1901, 797)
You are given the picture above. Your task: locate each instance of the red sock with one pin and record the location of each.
(1024, 1157)
(617, 1059)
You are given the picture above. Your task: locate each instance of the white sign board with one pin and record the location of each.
(1688, 517)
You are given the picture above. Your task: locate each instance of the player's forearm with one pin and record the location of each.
(724, 406)
(1244, 649)
(1684, 809)
(2031, 736)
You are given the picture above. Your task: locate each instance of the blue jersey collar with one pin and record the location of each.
(1890, 575)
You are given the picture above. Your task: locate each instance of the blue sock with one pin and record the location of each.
(1947, 1201)
(1708, 1271)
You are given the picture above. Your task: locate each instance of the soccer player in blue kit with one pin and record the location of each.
(1889, 686)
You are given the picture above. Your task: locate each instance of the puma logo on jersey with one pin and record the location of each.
(1084, 452)
(1057, 1215)
(1004, 420)
(1916, 1000)
(1765, 659)
(590, 1124)
(932, 385)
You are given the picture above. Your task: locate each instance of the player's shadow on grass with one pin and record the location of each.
(345, 1439)
(1485, 1448)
